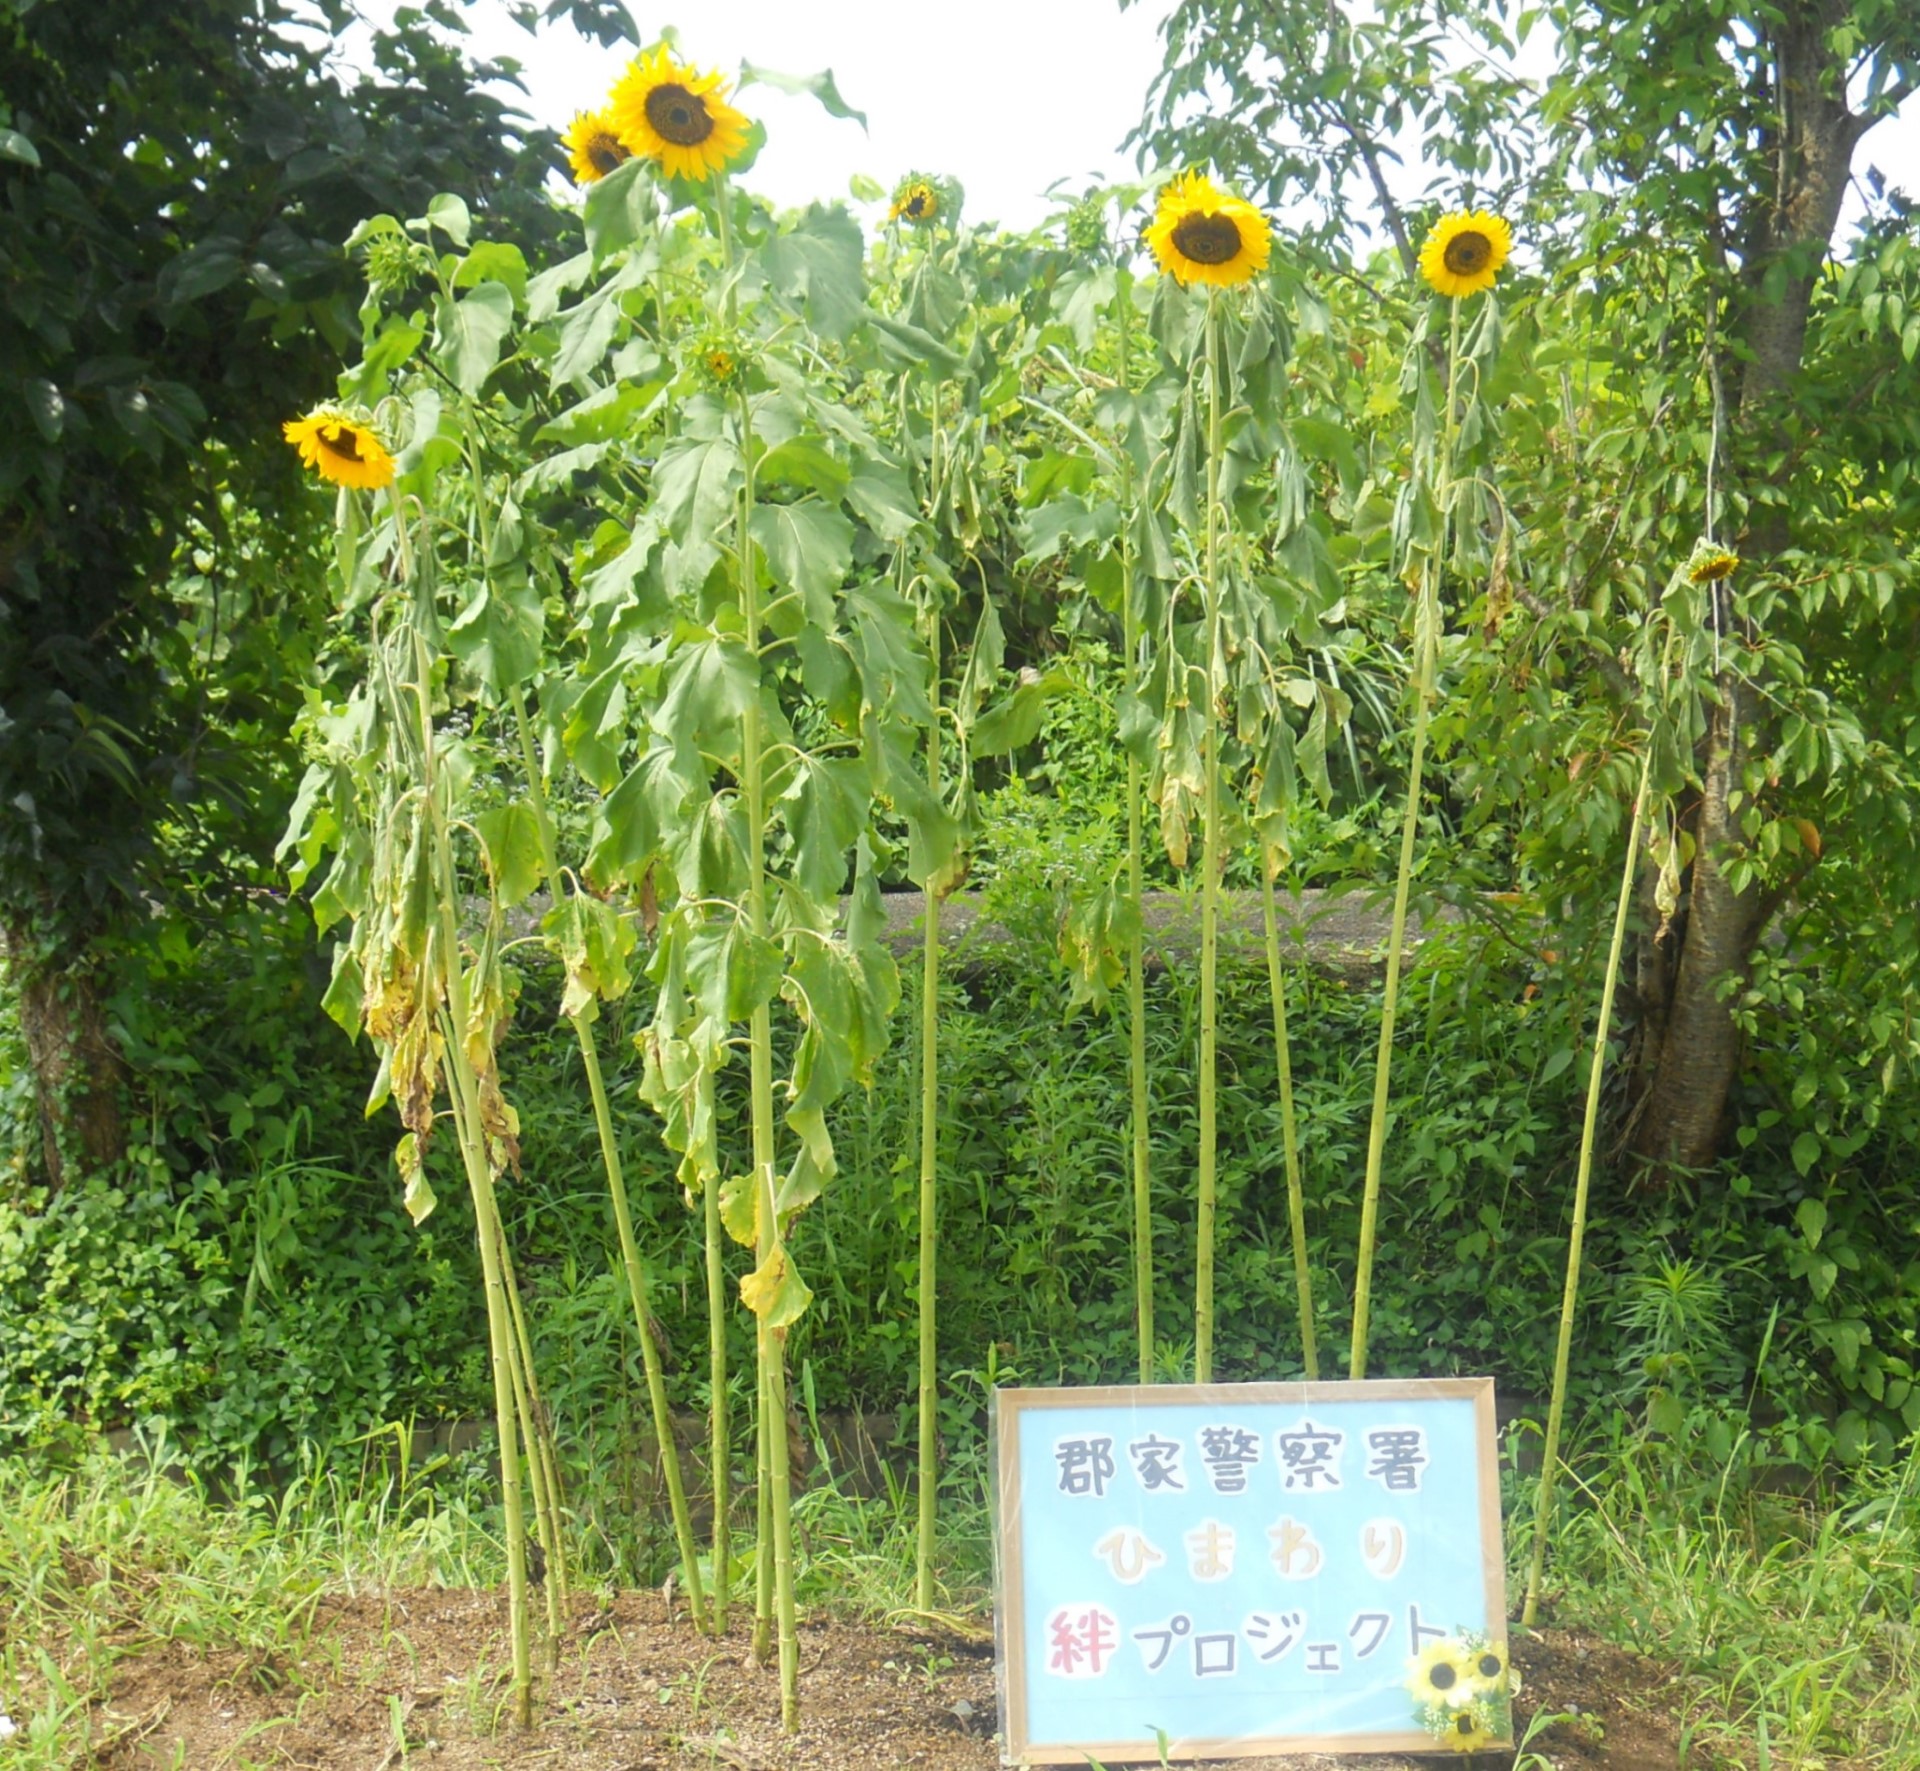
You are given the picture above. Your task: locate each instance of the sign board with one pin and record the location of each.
(1247, 1569)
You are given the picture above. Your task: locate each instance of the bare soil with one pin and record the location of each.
(417, 1678)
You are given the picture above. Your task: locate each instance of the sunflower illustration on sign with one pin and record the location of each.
(1201, 234)
(676, 116)
(1462, 1688)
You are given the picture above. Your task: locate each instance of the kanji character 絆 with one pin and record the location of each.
(1227, 1451)
(1214, 1655)
(1086, 1465)
(1396, 1457)
(1296, 1553)
(1376, 1623)
(1210, 1551)
(1156, 1462)
(1081, 1640)
(1272, 1635)
(1128, 1555)
(1166, 1635)
(1383, 1547)
(1309, 1456)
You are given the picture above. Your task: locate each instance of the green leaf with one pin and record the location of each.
(825, 806)
(879, 495)
(586, 330)
(46, 406)
(694, 483)
(1806, 1150)
(808, 548)
(594, 941)
(510, 840)
(1811, 1216)
(200, 271)
(712, 683)
(15, 147)
(818, 86)
(544, 291)
(1015, 720)
(803, 461)
(497, 636)
(619, 209)
(449, 214)
(495, 261)
(819, 262)
(637, 818)
(773, 1291)
(468, 334)
(912, 348)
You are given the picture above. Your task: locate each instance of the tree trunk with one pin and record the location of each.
(77, 1069)
(1690, 1044)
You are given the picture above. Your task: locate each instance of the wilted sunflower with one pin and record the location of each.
(1203, 235)
(677, 116)
(594, 146)
(916, 200)
(1709, 564)
(341, 448)
(1465, 251)
(1469, 1730)
(1442, 1673)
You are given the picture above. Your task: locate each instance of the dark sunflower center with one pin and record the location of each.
(679, 116)
(1467, 254)
(1207, 239)
(606, 154)
(1463, 1724)
(341, 441)
(1489, 1666)
(919, 206)
(1443, 1677)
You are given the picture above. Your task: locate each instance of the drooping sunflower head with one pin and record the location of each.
(676, 116)
(593, 145)
(916, 201)
(1200, 234)
(1470, 1730)
(1708, 563)
(341, 448)
(1464, 252)
(1442, 1673)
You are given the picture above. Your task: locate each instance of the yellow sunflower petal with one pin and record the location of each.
(676, 116)
(340, 448)
(1465, 251)
(1709, 564)
(1200, 234)
(915, 201)
(1442, 1673)
(594, 147)
(1488, 1669)
(1469, 1731)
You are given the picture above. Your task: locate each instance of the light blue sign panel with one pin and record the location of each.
(1246, 1567)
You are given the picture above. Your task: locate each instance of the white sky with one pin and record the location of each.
(1008, 96)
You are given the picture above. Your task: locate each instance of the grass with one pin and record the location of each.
(1789, 1617)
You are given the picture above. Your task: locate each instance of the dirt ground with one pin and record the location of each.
(415, 1678)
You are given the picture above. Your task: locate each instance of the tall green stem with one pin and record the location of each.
(540, 1462)
(622, 1213)
(929, 1165)
(1210, 865)
(1426, 670)
(719, 1424)
(1289, 1133)
(472, 1140)
(1139, 1126)
(1550, 1451)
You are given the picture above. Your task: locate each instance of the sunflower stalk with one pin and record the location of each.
(1210, 867)
(635, 1272)
(1139, 1100)
(1563, 1349)
(1289, 1128)
(1426, 671)
(541, 1465)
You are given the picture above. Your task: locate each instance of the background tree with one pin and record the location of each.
(1681, 179)
(175, 186)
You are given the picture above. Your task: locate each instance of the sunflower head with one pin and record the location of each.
(676, 116)
(1490, 1672)
(1465, 251)
(341, 448)
(1442, 1674)
(918, 200)
(395, 262)
(594, 147)
(720, 363)
(1469, 1730)
(1200, 234)
(1708, 564)
(1087, 225)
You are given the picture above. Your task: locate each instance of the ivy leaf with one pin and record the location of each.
(808, 548)
(510, 841)
(469, 332)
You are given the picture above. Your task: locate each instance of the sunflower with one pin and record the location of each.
(1465, 251)
(915, 200)
(1469, 1730)
(1709, 564)
(341, 447)
(1488, 1669)
(721, 365)
(594, 146)
(1442, 1673)
(1203, 235)
(677, 116)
